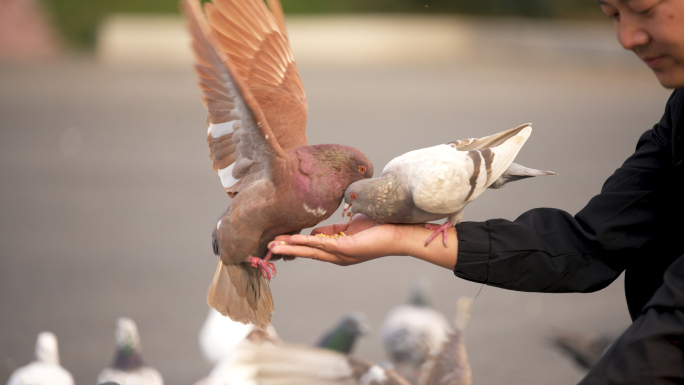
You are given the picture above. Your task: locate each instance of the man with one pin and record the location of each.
(634, 225)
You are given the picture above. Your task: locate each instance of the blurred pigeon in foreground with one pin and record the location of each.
(411, 331)
(257, 139)
(220, 336)
(45, 369)
(300, 365)
(286, 364)
(128, 367)
(438, 182)
(585, 350)
(343, 337)
(223, 370)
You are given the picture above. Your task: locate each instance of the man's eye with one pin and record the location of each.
(609, 11)
(643, 7)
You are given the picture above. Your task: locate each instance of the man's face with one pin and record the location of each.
(654, 30)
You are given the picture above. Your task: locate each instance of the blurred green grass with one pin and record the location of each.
(78, 20)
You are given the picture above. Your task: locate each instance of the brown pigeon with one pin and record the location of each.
(257, 139)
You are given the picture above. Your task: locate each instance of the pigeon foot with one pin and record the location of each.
(438, 229)
(264, 266)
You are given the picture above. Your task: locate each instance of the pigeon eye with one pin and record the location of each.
(353, 196)
(362, 169)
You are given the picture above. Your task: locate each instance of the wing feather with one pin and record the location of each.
(279, 15)
(249, 84)
(488, 141)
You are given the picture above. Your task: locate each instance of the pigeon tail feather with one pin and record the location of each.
(239, 292)
(516, 172)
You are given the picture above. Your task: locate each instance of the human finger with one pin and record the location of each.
(307, 252)
(280, 238)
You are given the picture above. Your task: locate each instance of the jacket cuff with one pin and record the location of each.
(474, 250)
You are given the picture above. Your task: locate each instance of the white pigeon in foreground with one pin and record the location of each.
(224, 370)
(128, 367)
(220, 336)
(289, 364)
(45, 369)
(438, 182)
(412, 331)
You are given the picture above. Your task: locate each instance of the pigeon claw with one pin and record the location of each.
(264, 266)
(438, 229)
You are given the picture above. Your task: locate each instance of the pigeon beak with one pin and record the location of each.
(347, 206)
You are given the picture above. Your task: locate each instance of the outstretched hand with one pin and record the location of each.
(368, 240)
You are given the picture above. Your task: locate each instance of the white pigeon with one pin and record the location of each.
(128, 367)
(412, 331)
(220, 335)
(438, 182)
(45, 369)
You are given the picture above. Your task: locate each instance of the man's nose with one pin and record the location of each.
(631, 34)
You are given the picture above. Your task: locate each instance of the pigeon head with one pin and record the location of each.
(128, 344)
(348, 164)
(46, 348)
(420, 292)
(359, 165)
(344, 335)
(354, 324)
(366, 196)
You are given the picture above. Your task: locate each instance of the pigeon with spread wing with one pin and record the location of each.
(438, 182)
(257, 139)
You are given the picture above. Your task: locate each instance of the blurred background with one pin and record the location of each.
(107, 197)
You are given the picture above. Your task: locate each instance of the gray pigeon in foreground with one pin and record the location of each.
(45, 370)
(412, 331)
(128, 367)
(438, 182)
(257, 138)
(343, 336)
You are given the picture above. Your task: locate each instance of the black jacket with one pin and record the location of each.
(636, 225)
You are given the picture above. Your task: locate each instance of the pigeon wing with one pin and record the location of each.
(488, 141)
(250, 86)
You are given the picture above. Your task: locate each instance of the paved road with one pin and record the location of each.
(107, 202)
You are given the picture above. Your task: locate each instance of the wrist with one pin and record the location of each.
(435, 252)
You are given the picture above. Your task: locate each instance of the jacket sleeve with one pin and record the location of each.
(651, 350)
(549, 250)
